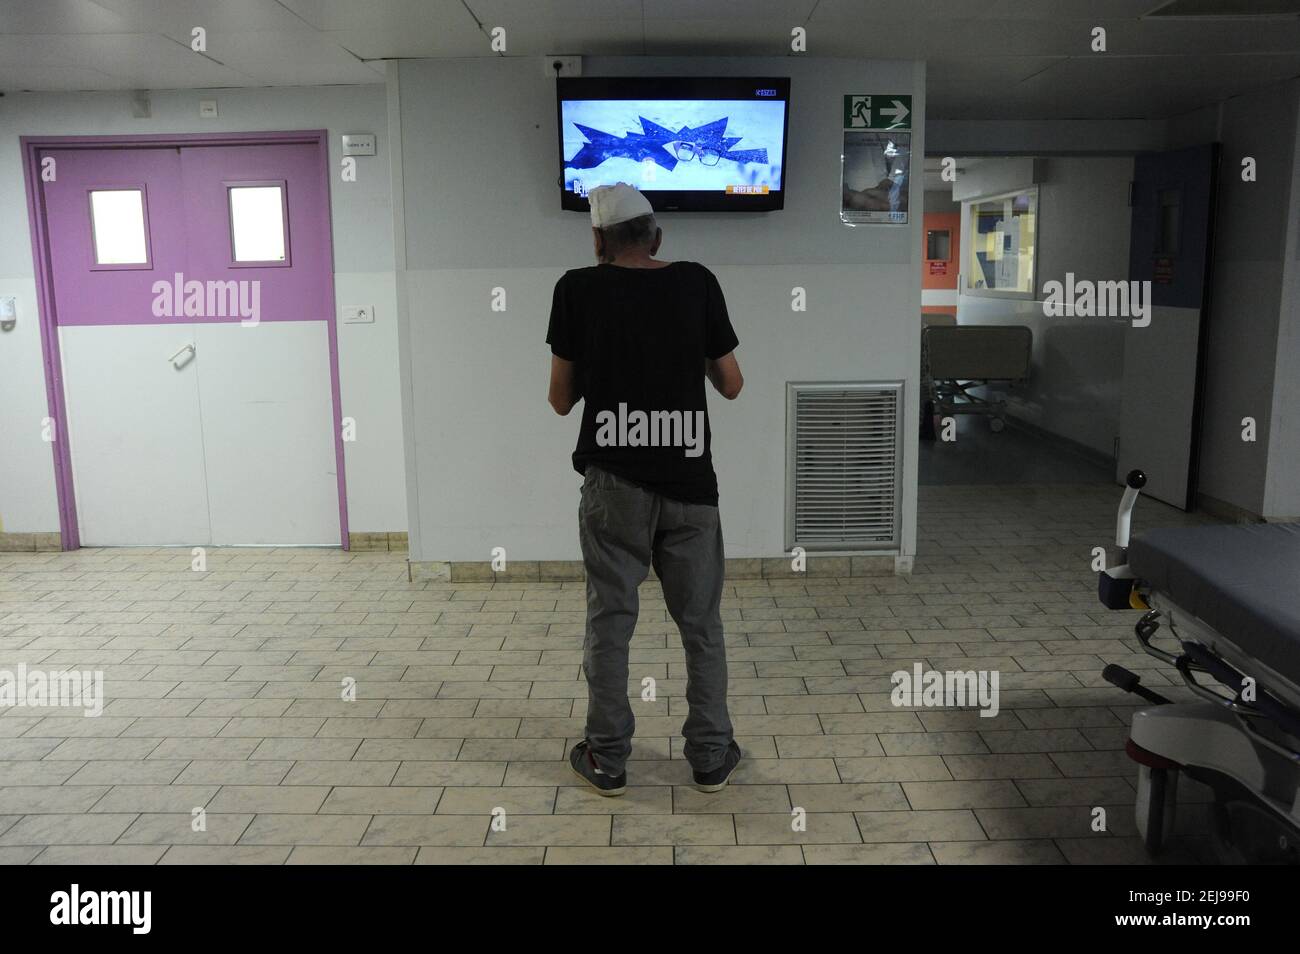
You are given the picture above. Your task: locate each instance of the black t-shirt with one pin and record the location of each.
(639, 338)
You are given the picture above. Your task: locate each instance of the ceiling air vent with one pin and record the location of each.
(844, 465)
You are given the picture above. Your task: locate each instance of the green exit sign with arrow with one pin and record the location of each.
(877, 112)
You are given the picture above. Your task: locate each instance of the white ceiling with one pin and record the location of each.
(1027, 59)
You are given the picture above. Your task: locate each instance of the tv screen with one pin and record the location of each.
(689, 144)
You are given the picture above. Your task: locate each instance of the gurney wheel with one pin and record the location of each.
(1154, 837)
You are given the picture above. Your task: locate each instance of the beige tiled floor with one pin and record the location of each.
(223, 693)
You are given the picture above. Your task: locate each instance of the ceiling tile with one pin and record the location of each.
(1183, 37)
(1090, 10)
(789, 13)
(992, 58)
(504, 12)
(59, 16)
(179, 17)
(597, 37)
(288, 59)
(413, 44)
(56, 78)
(384, 15)
(1083, 88)
(721, 37)
(984, 75)
(941, 11)
(921, 39)
(137, 60)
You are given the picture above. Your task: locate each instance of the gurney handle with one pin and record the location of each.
(1121, 678)
(1135, 480)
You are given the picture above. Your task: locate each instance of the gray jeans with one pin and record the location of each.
(625, 529)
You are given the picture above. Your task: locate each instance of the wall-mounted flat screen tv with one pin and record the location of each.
(689, 144)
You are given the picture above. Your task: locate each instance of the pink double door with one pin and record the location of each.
(192, 292)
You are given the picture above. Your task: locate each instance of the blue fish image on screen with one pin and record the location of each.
(709, 144)
(672, 145)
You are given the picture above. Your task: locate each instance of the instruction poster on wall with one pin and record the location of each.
(1007, 255)
(874, 177)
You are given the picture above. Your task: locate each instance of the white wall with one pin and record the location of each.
(1074, 389)
(363, 253)
(940, 200)
(984, 176)
(1244, 362)
(488, 462)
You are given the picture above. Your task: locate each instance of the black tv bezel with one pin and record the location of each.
(677, 87)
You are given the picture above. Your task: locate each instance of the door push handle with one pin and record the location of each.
(172, 359)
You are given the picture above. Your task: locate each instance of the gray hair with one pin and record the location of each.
(632, 234)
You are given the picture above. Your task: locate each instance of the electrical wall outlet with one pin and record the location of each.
(358, 314)
(207, 109)
(562, 66)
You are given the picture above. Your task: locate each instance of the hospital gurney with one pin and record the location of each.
(956, 358)
(1229, 599)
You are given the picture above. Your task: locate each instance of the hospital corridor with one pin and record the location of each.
(764, 433)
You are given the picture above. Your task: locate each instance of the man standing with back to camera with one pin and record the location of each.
(635, 337)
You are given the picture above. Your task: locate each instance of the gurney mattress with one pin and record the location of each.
(1244, 581)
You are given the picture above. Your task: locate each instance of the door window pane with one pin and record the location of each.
(257, 223)
(117, 227)
(938, 245)
(1001, 241)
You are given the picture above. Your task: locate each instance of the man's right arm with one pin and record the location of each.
(724, 374)
(565, 340)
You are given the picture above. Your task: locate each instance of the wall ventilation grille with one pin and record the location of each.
(844, 466)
